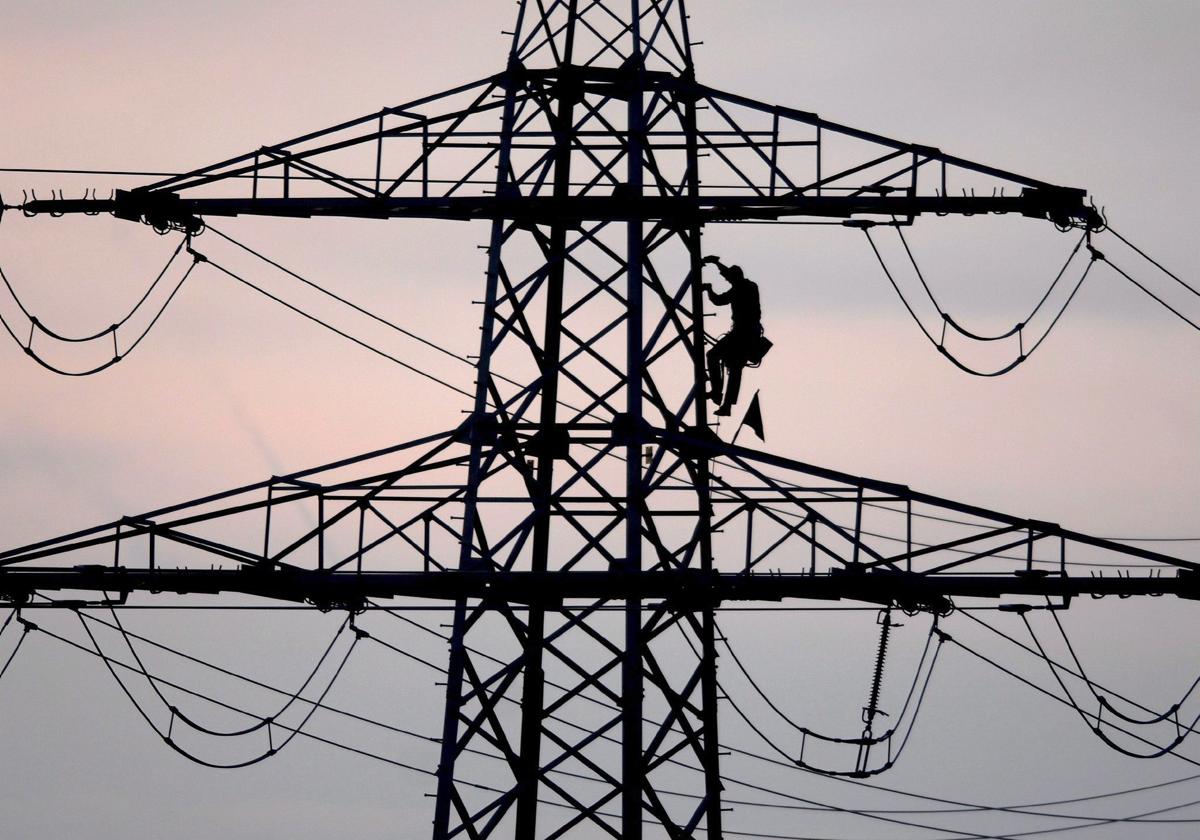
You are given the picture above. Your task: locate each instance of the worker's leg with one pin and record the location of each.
(734, 387)
(732, 390)
(716, 372)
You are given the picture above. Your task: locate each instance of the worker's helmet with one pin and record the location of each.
(734, 272)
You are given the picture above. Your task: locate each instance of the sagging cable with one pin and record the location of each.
(110, 333)
(167, 733)
(1024, 349)
(903, 720)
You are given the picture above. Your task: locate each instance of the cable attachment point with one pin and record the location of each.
(57, 195)
(359, 633)
(1096, 254)
(1019, 609)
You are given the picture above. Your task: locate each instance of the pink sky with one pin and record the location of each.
(1098, 430)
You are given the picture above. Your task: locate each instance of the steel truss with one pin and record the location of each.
(583, 520)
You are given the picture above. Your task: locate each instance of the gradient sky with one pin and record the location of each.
(1097, 431)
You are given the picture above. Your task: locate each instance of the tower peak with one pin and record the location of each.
(603, 33)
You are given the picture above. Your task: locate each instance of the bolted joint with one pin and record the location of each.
(515, 77)
(698, 443)
(628, 431)
(482, 428)
(550, 441)
(568, 85)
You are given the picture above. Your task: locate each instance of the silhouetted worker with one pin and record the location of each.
(743, 345)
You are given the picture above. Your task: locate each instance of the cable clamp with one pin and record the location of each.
(1019, 609)
(359, 633)
(1096, 255)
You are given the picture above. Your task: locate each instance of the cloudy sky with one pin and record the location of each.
(1097, 431)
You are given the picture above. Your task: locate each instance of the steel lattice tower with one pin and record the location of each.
(636, 358)
(575, 519)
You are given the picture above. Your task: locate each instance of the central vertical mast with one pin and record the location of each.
(632, 767)
(550, 434)
(591, 356)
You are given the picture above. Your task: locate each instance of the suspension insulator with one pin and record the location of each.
(871, 710)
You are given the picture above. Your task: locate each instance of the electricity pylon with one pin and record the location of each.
(585, 510)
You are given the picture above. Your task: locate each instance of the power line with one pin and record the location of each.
(221, 704)
(858, 783)
(1182, 729)
(118, 354)
(379, 319)
(167, 735)
(442, 349)
(1083, 713)
(264, 721)
(101, 333)
(940, 345)
(673, 761)
(20, 641)
(1019, 325)
(1092, 686)
(326, 707)
(262, 685)
(318, 704)
(403, 330)
(342, 300)
(337, 331)
(860, 771)
(1094, 821)
(1156, 263)
(806, 731)
(1151, 294)
(299, 729)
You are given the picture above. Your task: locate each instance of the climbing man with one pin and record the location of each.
(743, 345)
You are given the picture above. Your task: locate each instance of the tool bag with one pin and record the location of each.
(756, 349)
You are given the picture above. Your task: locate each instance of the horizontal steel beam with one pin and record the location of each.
(165, 208)
(689, 588)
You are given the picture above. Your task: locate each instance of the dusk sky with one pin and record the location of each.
(1097, 430)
